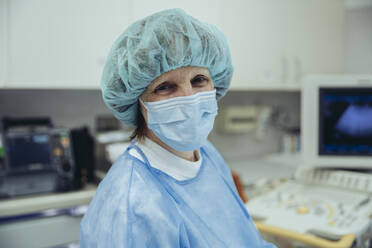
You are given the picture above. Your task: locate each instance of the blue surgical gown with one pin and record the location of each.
(139, 206)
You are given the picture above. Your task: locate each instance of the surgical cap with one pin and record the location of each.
(159, 43)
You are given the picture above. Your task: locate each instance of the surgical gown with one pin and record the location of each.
(139, 206)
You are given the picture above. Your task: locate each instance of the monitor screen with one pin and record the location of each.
(28, 150)
(345, 121)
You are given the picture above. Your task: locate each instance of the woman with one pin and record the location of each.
(170, 188)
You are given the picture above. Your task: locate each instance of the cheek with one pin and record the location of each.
(211, 85)
(208, 87)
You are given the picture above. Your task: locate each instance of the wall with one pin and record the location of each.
(67, 108)
(358, 40)
(237, 147)
(3, 41)
(271, 41)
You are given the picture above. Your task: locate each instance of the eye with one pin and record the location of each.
(199, 80)
(164, 88)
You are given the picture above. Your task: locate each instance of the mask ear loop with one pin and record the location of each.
(142, 102)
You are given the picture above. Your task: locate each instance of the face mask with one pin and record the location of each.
(183, 123)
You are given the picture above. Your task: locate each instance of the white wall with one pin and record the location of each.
(266, 36)
(63, 43)
(358, 40)
(3, 40)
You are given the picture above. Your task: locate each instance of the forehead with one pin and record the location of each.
(181, 73)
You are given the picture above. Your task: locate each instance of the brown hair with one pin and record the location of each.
(140, 131)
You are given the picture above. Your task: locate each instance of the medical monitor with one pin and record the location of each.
(337, 121)
(26, 150)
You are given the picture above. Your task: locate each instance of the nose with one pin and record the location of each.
(186, 89)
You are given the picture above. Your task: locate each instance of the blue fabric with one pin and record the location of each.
(139, 206)
(159, 43)
(185, 122)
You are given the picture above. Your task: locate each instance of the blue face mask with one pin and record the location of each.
(183, 123)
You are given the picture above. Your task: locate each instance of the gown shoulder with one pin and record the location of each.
(219, 162)
(128, 203)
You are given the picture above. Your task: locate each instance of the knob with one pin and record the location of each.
(302, 210)
(66, 166)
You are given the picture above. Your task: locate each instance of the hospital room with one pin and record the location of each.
(186, 123)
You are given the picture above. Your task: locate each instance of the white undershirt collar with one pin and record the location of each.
(167, 162)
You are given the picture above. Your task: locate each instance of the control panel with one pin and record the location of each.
(327, 204)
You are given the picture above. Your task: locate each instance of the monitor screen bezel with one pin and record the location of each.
(310, 156)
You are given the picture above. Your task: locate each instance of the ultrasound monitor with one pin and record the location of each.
(337, 121)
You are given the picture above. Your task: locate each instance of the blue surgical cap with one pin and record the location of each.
(159, 43)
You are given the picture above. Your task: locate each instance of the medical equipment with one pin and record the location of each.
(329, 203)
(38, 158)
(83, 145)
(238, 119)
(324, 142)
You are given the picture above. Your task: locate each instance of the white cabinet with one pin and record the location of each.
(274, 43)
(64, 43)
(61, 43)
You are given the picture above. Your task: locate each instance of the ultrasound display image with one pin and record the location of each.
(345, 122)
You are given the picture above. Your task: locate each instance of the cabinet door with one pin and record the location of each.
(274, 42)
(61, 43)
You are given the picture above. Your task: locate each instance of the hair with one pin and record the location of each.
(140, 131)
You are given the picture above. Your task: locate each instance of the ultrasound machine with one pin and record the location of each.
(329, 201)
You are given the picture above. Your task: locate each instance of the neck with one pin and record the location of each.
(188, 155)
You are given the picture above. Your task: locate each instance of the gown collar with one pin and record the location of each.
(165, 161)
